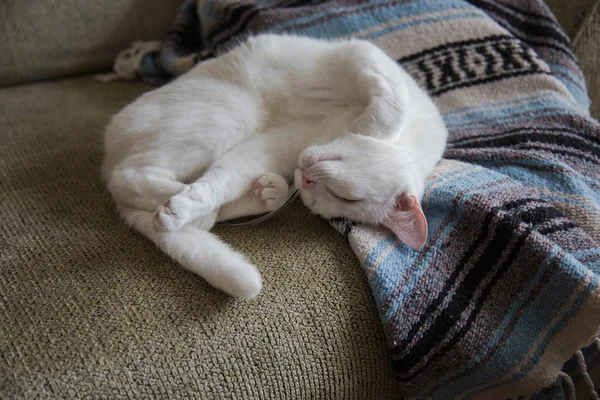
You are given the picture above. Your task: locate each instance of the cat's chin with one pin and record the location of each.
(308, 200)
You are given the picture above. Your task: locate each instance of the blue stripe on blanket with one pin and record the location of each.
(586, 253)
(424, 21)
(282, 27)
(521, 116)
(555, 182)
(492, 106)
(536, 106)
(574, 85)
(345, 24)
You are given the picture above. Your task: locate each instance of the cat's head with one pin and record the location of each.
(365, 180)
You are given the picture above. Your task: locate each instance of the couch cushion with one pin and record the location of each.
(90, 309)
(53, 38)
(587, 46)
(571, 14)
(581, 20)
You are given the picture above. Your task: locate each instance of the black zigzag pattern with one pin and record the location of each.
(472, 62)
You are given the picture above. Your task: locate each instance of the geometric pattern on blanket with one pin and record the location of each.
(506, 289)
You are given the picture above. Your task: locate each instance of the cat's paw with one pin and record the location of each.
(181, 209)
(272, 189)
(173, 215)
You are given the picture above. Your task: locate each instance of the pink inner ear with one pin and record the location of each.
(407, 221)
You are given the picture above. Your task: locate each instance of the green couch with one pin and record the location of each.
(90, 309)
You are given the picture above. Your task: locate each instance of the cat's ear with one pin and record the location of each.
(407, 221)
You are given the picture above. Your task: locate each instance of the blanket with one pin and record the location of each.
(505, 293)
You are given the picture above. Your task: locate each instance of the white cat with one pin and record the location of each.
(222, 141)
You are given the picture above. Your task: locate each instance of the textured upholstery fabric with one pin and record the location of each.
(89, 308)
(54, 38)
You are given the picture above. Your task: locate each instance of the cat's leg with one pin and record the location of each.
(268, 193)
(228, 179)
(383, 82)
(143, 188)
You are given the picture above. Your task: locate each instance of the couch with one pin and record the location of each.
(90, 309)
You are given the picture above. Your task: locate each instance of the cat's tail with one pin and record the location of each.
(203, 253)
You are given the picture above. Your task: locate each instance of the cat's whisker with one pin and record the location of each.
(349, 222)
(292, 195)
(418, 159)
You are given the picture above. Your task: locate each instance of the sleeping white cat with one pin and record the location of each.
(222, 141)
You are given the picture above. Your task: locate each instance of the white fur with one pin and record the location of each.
(220, 141)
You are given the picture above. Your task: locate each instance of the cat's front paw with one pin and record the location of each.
(272, 189)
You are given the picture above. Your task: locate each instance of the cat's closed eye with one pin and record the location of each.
(344, 199)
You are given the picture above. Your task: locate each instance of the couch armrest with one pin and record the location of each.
(581, 21)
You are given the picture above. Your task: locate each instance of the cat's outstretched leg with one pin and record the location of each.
(268, 193)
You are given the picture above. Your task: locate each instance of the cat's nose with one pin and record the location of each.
(301, 180)
(306, 183)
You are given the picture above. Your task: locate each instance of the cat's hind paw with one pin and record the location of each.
(180, 210)
(272, 189)
(191, 203)
(172, 215)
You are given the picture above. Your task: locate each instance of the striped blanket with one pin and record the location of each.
(506, 289)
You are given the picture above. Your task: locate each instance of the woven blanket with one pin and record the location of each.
(506, 289)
